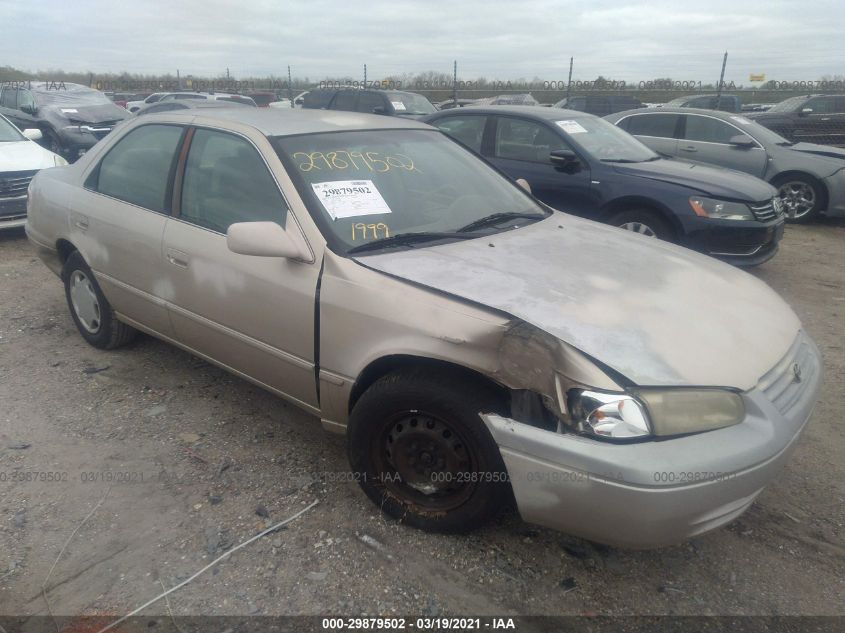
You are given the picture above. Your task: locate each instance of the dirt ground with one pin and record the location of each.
(184, 459)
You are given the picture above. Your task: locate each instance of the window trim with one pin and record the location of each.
(92, 179)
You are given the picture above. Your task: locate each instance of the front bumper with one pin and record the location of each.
(736, 242)
(12, 212)
(656, 493)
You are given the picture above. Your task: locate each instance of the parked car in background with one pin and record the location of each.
(209, 96)
(388, 102)
(189, 104)
(509, 99)
(474, 345)
(599, 105)
(20, 159)
(810, 178)
(584, 165)
(727, 103)
(452, 103)
(283, 103)
(133, 105)
(812, 119)
(72, 118)
(262, 99)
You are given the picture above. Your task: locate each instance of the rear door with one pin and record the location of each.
(520, 148)
(706, 139)
(658, 130)
(118, 219)
(254, 315)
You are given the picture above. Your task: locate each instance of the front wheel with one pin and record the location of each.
(91, 311)
(644, 222)
(802, 198)
(420, 451)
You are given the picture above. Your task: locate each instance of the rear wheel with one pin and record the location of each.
(421, 452)
(802, 197)
(92, 313)
(643, 221)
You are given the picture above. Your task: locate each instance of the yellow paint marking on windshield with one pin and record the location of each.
(338, 160)
(365, 228)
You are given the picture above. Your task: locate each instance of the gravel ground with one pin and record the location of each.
(187, 461)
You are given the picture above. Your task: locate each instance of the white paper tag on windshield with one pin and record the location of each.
(350, 198)
(741, 119)
(571, 127)
(70, 110)
(398, 105)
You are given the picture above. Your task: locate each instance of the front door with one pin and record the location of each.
(254, 315)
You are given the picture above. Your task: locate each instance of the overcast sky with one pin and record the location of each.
(490, 38)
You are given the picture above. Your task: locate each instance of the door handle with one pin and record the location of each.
(177, 258)
(80, 221)
(689, 148)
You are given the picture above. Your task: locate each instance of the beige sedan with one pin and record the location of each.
(475, 346)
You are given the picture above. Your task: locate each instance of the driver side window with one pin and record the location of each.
(518, 139)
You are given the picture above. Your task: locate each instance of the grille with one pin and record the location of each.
(13, 184)
(769, 210)
(786, 381)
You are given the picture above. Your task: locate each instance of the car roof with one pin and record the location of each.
(531, 112)
(718, 114)
(288, 122)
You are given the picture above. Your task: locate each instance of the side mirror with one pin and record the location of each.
(265, 239)
(805, 111)
(33, 134)
(524, 184)
(565, 160)
(742, 141)
(379, 110)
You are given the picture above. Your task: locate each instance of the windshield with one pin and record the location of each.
(9, 133)
(370, 185)
(69, 94)
(604, 141)
(407, 103)
(789, 105)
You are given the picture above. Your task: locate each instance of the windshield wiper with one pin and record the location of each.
(402, 239)
(496, 218)
(618, 160)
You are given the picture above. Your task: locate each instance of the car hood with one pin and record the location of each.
(84, 114)
(818, 150)
(24, 156)
(658, 314)
(711, 181)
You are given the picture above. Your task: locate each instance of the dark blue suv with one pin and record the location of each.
(581, 164)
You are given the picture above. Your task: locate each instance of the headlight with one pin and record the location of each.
(657, 412)
(59, 161)
(720, 209)
(679, 411)
(612, 415)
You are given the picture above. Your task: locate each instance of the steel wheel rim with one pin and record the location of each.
(425, 460)
(639, 227)
(798, 198)
(83, 297)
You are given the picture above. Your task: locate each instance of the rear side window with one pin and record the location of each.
(226, 181)
(659, 125)
(708, 130)
(137, 169)
(822, 105)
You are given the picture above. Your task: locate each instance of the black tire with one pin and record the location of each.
(653, 225)
(412, 419)
(99, 327)
(788, 186)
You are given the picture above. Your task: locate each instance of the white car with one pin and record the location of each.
(134, 106)
(20, 159)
